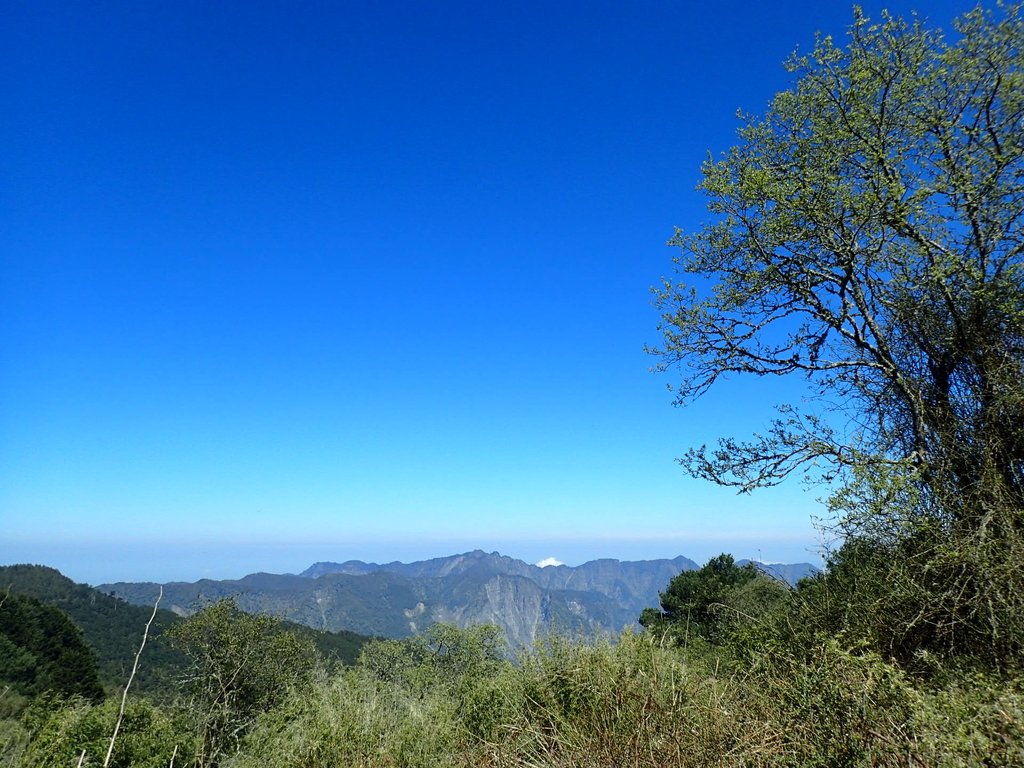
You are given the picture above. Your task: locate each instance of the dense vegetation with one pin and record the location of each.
(111, 628)
(41, 650)
(739, 691)
(869, 237)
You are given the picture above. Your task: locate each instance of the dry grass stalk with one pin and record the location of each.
(131, 677)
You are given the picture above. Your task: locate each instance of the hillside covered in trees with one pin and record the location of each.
(72, 639)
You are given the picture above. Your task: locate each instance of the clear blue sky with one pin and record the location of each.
(285, 282)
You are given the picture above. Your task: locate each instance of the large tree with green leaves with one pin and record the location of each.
(868, 237)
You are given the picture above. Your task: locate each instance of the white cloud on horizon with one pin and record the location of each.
(549, 561)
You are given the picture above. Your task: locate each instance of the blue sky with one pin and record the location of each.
(285, 282)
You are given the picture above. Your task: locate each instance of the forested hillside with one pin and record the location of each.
(110, 631)
(110, 627)
(41, 650)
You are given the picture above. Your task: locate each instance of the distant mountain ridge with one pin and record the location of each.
(400, 599)
(624, 581)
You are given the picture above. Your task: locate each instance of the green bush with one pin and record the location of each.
(242, 664)
(444, 655)
(837, 707)
(357, 720)
(711, 604)
(642, 702)
(977, 720)
(60, 730)
(636, 703)
(13, 742)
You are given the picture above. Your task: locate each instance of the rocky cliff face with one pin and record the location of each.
(526, 611)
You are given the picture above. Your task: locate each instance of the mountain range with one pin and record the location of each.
(396, 599)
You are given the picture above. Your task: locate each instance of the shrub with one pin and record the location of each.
(357, 720)
(60, 730)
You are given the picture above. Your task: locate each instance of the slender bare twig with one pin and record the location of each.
(81, 759)
(174, 754)
(131, 677)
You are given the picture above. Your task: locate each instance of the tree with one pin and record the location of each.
(242, 665)
(711, 601)
(868, 238)
(443, 656)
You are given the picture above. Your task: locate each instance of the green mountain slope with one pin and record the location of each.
(42, 650)
(113, 627)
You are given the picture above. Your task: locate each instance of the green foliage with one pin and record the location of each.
(489, 705)
(912, 583)
(468, 667)
(566, 704)
(640, 702)
(838, 707)
(976, 720)
(14, 740)
(61, 729)
(392, 661)
(42, 650)
(444, 655)
(341, 647)
(711, 603)
(424, 701)
(242, 665)
(868, 239)
(111, 627)
(435, 699)
(865, 597)
(355, 719)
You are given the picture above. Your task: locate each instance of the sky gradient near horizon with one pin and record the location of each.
(288, 282)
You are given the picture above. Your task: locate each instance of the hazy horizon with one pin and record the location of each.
(149, 561)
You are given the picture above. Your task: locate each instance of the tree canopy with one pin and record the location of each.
(243, 664)
(867, 236)
(41, 650)
(713, 600)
